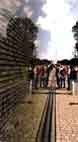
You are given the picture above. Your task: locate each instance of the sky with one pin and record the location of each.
(61, 16)
(54, 18)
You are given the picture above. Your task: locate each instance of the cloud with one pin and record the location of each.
(25, 7)
(44, 38)
(73, 8)
(56, 19)
(9, 4)
(30, 8)
(59, 21)
(36, 8)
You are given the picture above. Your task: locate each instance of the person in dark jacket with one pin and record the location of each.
(72, 78)
(68, 77)
(73, 74)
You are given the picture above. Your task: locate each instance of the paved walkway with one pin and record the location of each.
(66, 117)
(25, 125)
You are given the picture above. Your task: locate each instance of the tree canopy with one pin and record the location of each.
(71, 62)
(64, 62)
(75, 31)
(37, 61)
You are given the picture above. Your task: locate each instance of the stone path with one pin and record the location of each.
(24, 126)
(67, 117)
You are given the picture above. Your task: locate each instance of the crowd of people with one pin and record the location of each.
(65, 75)
(52, 76)
(39, 76)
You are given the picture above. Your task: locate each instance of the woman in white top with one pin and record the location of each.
(52, 78)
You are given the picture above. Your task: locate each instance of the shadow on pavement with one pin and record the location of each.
(40, 91)
(63, 92)
(73, 103)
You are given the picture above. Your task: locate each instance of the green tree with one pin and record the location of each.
(75, 31)
(27, 30)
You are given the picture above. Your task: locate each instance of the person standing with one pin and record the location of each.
(68, 77)
(36, 75)
(30, 78)
(52, 78)
(45, 76)
(73, 78)
(62, 77)
(42, 76)
(58, 77)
